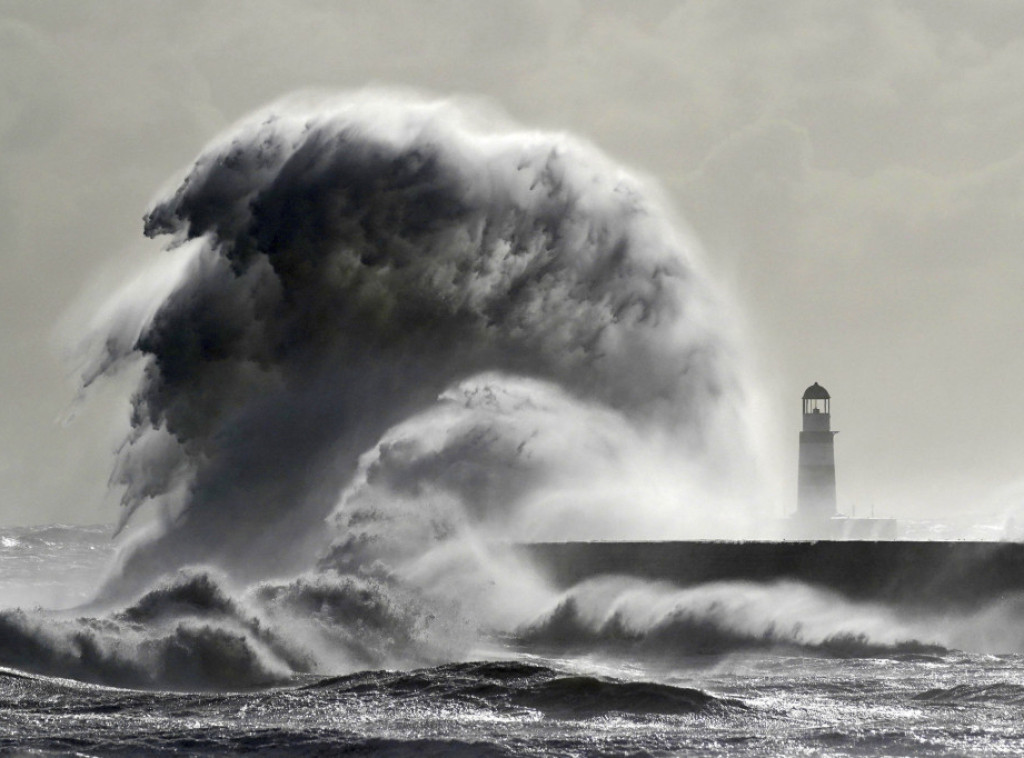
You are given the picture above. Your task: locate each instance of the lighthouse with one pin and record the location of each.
(816, 480)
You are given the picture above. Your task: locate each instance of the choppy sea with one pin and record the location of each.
(910, 701)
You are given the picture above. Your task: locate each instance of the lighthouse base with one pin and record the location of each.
(839, 528)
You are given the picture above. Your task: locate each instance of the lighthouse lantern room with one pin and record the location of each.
(816, 481)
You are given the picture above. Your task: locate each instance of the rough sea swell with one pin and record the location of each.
(588, 701)
(389, 335)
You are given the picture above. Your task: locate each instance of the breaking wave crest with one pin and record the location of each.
(188, 635)
(195, 630)
(659, 622)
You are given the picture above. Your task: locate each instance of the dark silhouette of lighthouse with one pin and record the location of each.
(816, 480)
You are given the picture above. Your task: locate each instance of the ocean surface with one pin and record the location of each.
(506, 698)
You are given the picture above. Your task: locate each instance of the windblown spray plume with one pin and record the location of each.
(390, 334)
(343, 264)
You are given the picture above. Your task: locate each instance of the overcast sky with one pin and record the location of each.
(854, 170)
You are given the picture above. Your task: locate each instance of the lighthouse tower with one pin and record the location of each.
(816, 481)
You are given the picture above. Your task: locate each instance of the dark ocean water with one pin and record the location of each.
(855, 699)
(955, 705)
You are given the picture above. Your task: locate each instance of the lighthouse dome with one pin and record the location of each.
(816, 392)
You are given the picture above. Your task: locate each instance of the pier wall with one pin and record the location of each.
(929, 574)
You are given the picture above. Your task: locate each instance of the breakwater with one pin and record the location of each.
(929, 574)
